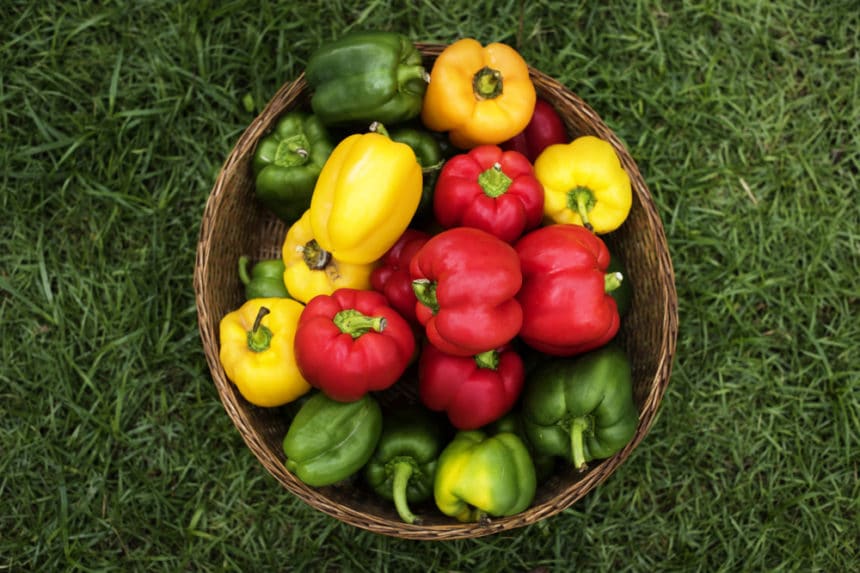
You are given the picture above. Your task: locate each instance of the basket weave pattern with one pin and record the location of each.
(235, 224)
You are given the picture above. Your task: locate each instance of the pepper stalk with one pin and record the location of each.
(259, 337)
(403, 471)
(354, 323)
(425, 292)
(578, 427)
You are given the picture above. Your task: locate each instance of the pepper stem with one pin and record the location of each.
(577, 445)
(488, 359)
(487, 83)
(243, 270)
(612, 281)
(470, 514)
(582, 201)
(292, 151)
(259, 337)
(412, 79)
(315, 257)
(432, 168)
(425, 292)
(354, 323)
(377, 127)
(402, 474)
(494, 181)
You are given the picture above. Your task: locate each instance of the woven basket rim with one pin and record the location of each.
(554, 91)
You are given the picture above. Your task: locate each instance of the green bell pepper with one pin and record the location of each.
(581, 409)
(429, 154)
(266, 279)
(287, 164)
(329, 441)
(367, 76)
(403, 466)
(479, 476)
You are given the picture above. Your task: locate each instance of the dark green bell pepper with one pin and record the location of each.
(480, 475)
(581, 409)
(404, 464)
(329, 441)
(429, 155)
(287, 164)
(265, 280)
(367, 76)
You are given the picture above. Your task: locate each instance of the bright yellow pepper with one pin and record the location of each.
(311, 270)
(481, 95)
(365, 197)
(584, 184)
(257, 351)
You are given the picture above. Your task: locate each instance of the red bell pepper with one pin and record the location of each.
(465, 280)
(391, 277)
(489, 189)
(544, 129)
(472, 390)
(352, 342)
(567, 308)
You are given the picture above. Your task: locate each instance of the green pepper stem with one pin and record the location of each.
(292, 151)
(243, 270)
(470, 514)
(488, 359)
(425, 292)
(582, 201)
(377, 127)
(354, 323)
(487, 83)
(494, 181)
(402, 474)
(412, 79)
(259, 337)
(433, 168)
(577, 446)
(612, 281)
(315, 257)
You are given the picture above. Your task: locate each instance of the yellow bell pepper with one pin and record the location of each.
(257, 351)
(365, 197)
(311, 270)
(584, 184)
(481, 95)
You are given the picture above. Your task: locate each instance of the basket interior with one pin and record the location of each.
(234, 223)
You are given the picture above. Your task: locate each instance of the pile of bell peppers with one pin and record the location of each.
(444, 233)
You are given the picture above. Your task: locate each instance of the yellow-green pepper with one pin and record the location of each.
(257, 351)
(584, 184)
(310, 270)
(479, 476)
(365, 197)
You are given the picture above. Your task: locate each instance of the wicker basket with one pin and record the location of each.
(235, 224)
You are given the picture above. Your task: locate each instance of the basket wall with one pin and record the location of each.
(234, 224)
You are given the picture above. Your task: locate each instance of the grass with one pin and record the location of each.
(116, 452)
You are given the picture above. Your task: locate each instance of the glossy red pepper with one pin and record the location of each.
(489, 189)
(391, 277)
(465, 280)
(472, 390)
(544, 129)
(352, 342)
(567, 308)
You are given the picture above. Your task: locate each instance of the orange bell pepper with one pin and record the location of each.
(480, 95)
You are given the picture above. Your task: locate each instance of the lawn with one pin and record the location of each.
(115, 117)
